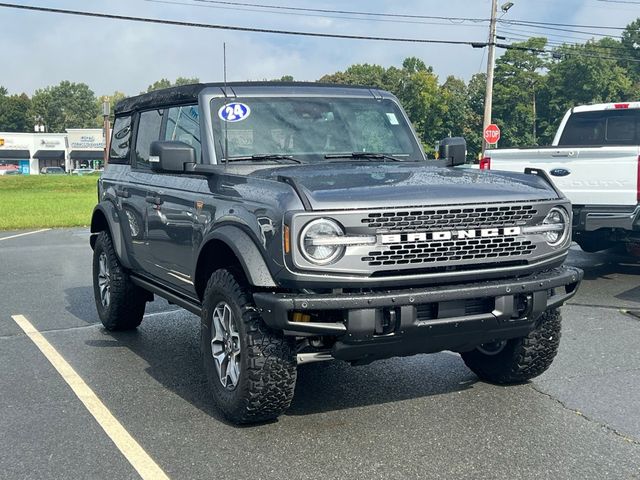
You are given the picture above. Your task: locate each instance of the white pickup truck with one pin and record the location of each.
(595, 161)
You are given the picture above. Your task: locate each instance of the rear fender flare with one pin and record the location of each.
(105, 217)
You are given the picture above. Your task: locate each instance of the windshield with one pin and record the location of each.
(311, 128)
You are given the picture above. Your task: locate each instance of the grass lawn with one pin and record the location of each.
(35, 201)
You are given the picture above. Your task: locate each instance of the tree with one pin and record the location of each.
(475, 111)
(67, 105)
(14, 116)
(583, 74)
(414, 84)
(166, 83)
(3, 91)
(518, 81)
(455, 99)
(113, 100)
(630, 50)
(359, 74)
(158, 85)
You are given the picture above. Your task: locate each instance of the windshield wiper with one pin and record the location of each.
(266, 157)
(364, 156)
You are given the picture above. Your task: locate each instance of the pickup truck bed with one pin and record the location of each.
(595, 162)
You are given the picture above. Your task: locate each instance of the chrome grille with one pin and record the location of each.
(443, 218)
(449, 251)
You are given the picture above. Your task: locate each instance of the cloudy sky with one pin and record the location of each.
(40, 49)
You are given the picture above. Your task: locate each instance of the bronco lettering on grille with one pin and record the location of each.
(448, 235)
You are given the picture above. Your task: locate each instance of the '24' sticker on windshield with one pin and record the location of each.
(234, 112)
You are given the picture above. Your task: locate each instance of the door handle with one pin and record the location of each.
(121, 192)
(154, 199)
(559, 153)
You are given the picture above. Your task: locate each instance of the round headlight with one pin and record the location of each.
(311, 244)
(559, 218)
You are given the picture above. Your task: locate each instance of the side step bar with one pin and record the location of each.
(183, 302)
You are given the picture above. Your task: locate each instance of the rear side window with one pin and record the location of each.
(608, 127)
(183, 125)
(149, 126)
(120, 140)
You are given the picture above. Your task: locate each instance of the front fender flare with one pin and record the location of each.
(247, 253)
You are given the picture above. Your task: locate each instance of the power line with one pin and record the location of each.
(558, 29)
(565, 52)
(565, 38)
(400, 15)
(531, 22)
(306, 14)
(556, 41)
(620, 1)
(345, 12)
(242, 29)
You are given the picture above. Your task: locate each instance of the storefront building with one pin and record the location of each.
(31, 152)
(50, 150)
(86, 148)
(17, 149)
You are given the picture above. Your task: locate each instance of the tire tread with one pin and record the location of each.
(127, 301)
(523, 358)
(270, 368)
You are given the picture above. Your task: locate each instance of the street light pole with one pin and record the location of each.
(106, 129)
(488, 98)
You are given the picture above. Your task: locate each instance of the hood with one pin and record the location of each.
(353, 185)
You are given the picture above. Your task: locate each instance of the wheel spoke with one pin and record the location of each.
(227, 318)
(234, 371)
(218, 327)
(225, 345)
(104, 279)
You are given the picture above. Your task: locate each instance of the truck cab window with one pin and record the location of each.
(148, 131)
(183, 125)
(121, 140)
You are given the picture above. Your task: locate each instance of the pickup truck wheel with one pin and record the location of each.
(251, 368)
(520, 359)
(120, 303)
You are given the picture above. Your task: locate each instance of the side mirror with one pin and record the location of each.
(170, 156)
(453, 150)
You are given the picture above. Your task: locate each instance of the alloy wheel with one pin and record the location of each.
(104, 279)
(225, 345)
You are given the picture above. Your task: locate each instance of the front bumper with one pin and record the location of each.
(422, 320)
(589, 218)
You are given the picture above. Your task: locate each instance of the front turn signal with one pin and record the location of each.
(287, 239)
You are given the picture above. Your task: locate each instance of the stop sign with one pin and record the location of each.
(492, 134)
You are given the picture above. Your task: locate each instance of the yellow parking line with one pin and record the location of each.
(25, 233)
(133, 452)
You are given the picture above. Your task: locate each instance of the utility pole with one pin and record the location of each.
(488, 98)
(106, 129)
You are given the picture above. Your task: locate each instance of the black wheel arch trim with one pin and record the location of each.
(246, 251)
(110, 214)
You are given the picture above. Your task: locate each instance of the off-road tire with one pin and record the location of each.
(522, 358)
(127, 301)
(267, 379)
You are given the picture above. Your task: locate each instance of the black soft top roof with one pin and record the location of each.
(189, 93)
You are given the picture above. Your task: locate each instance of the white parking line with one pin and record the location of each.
(132, 451)
(23, 234)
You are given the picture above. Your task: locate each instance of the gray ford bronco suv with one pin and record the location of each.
(303, 222)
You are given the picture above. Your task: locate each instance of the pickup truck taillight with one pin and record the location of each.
(485, 163)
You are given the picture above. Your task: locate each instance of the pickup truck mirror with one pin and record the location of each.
(453, 150)
(171, 156)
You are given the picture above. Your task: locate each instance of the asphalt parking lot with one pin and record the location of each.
(419, 417)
